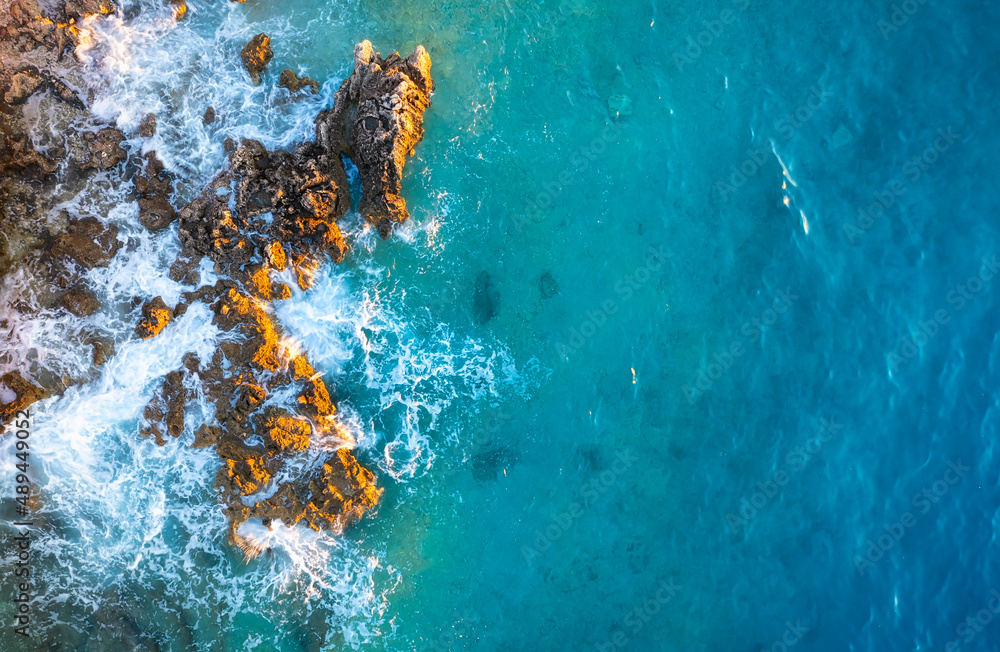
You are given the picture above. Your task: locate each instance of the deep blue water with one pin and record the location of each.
(738, 390)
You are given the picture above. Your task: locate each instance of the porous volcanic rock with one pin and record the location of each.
(22, 84)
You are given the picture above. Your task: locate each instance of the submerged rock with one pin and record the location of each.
(547, 285)
(294, 83)
(209, 116)
(619, 106)
(256, 55)
(16, 393)
(485, 299)
(155, 316)
(377, 120)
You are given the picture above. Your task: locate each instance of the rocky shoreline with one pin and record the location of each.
(268, 213)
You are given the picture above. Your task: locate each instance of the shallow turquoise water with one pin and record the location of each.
(571, 474)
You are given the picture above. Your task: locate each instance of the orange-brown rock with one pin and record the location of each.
(16, 394)
(105, 149)
(276, 256)
(256, 55)
(315, 400)
(283, 432)
(333, 496)
(155, 316)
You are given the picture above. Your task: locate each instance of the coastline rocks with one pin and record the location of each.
(256, 55)
(294, 83)
(178, 8)
(272, 212)
(88, 243)
(105, 149)
(83, 8)
(377, 120)
(155, 316)
(16, 393)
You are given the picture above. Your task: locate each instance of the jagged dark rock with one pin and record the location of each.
(156, 213)
(165, 412)
(294, 83)
(256, 55)
(377, 120)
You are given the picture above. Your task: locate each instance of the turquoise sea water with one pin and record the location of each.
(689, 344)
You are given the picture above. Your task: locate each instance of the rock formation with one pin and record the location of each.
(147, 128)
(153, 186)
(294, 83)
(256, 55)
(16, 394)
(377, 120)
(105, 149)
(155, 317)
(80, 301)
(272, 211)
(87, 243)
